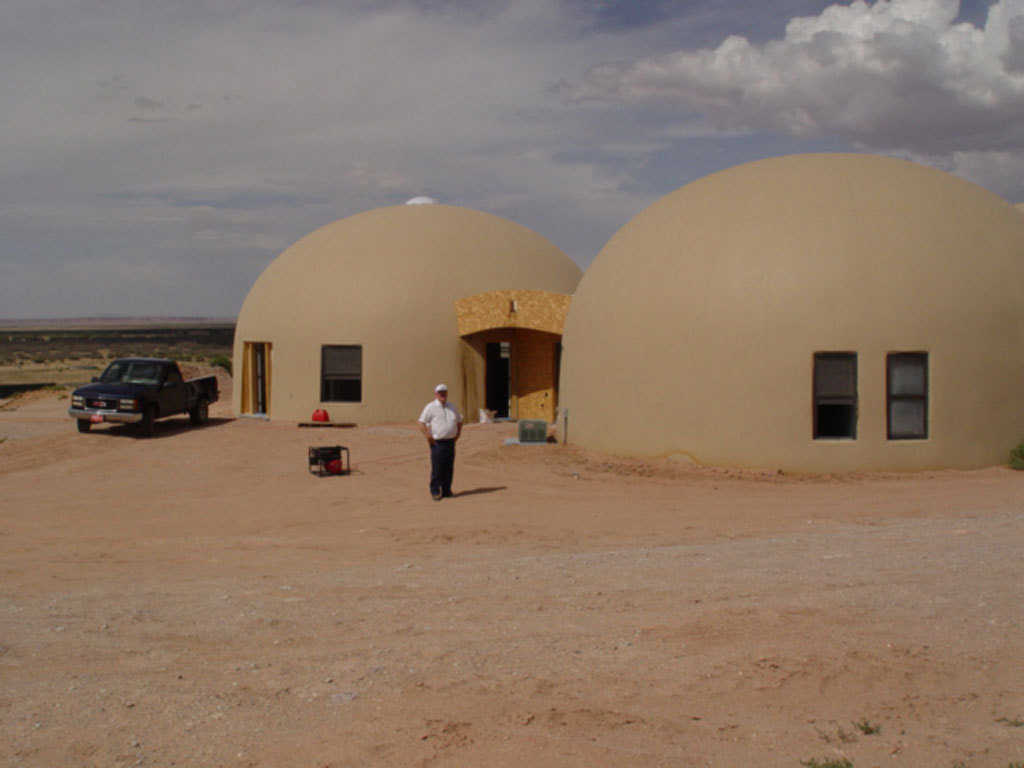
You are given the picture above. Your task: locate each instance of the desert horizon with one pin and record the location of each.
(108, 321)
(34, 357)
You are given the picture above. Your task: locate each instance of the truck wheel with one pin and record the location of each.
(200, 414)
(83, 425)
(148, 423)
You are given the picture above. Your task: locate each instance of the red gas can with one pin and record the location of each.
(320, 415)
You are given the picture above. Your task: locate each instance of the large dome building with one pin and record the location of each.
(814, 313)
(364, 316)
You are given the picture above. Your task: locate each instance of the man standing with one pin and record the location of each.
(441, 423)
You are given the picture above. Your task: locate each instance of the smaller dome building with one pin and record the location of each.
(814, 312)
(359, 318)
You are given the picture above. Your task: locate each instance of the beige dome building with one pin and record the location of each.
(814, 312)
(360, 318)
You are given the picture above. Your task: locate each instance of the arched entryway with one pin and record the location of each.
(511, 352)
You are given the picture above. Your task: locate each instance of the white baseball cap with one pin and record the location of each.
(441, 388)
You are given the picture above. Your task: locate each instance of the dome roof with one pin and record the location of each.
(712, 302)
(399, 261)
(387, 280)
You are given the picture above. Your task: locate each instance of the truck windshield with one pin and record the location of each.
(129, 372)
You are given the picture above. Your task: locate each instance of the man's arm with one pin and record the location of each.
(426, 432)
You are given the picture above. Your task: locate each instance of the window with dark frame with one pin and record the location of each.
(341, 373)
(835, 395)
(906, 395)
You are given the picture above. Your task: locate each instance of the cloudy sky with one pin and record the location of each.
(156, 155)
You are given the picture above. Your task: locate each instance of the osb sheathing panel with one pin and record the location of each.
(533, 310)
(248, 401)
(473, 370)
(245, 404)
(534, 362)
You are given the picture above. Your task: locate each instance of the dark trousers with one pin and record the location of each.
(442, 466)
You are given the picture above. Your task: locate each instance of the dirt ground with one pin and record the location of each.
(201, 599)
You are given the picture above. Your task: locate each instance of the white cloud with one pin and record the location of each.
(896, 75)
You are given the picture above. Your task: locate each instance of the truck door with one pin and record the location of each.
(174, 394)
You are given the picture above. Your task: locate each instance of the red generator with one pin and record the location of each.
(329, 460)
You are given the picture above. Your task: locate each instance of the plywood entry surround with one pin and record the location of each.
(256, 378)
(531, 323)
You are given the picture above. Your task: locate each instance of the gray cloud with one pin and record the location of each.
(239, 198)
(156, 156)
(145, 139)
(145, 103)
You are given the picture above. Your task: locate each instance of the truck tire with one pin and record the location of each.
(83, 425)
(200, 413)
(148, 424)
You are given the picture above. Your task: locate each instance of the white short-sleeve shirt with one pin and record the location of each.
(443, 420)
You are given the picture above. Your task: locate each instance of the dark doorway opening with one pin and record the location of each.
(259, 352)
(498, 389)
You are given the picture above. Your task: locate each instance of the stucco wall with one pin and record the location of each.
(694, 330)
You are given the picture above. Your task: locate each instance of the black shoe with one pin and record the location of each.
(436, 495)
(448, 495)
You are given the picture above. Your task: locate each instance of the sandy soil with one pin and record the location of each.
(200, 599)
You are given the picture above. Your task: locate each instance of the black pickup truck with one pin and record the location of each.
(141, 390)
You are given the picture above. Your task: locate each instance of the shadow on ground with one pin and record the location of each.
(475, 491)
(162, 429)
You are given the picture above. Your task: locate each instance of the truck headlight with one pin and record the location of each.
(77, 401)
(126, 405)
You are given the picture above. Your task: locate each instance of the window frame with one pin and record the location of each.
(890, 398)
(817, 400)
(173, 375)
(325, 378)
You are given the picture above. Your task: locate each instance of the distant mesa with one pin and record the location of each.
(110, 321)
(421, 200)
